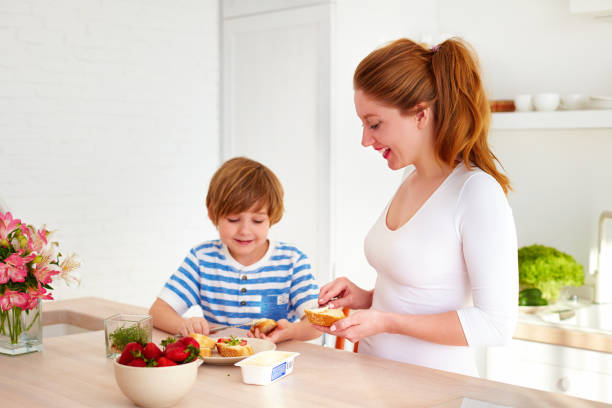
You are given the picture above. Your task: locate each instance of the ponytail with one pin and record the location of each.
(404, 74)
(462, 109)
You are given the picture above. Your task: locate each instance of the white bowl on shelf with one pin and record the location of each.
(546, 102)
(573, 102)
(523, 103)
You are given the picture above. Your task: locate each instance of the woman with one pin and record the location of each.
(444, 247)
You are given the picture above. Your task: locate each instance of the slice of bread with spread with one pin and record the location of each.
(324, 316)
(265, 326)
(204, 341)
(233, 347)
(206, 344)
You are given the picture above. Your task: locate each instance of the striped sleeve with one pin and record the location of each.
(304, 290)
(181, 291)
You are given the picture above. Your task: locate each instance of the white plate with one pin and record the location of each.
(256, 344)
(533, 309)
(600, 102)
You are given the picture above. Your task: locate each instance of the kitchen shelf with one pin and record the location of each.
(577, 119)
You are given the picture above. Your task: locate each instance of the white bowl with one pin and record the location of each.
(523, 103)
(546, 102)
(156, 387)
(573, 101)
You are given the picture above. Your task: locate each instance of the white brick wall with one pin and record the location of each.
(109, 132)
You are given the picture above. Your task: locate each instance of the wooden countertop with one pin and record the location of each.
(563, 336)
(73, 371)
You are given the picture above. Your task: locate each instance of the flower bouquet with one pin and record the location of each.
(29, 263)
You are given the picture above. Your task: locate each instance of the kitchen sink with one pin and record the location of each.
(61, 329)
(594, 316)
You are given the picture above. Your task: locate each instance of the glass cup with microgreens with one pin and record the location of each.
(121, 329)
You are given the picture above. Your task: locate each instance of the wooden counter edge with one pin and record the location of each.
(86, 312)
(593, 341)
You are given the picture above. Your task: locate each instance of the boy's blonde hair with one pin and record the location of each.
(241, 183)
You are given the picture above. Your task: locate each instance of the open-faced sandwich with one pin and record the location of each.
(206, 344)
(233, 347)
(324, 316)
(265, 326)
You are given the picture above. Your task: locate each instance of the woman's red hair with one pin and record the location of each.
(408, 76)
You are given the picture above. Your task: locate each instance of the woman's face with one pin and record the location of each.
(400, 139)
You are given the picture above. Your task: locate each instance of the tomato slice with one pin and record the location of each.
(243, 343)
(221, 340)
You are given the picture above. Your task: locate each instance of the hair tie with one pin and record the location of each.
(435, 48)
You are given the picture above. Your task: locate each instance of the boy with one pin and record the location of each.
(242, 276)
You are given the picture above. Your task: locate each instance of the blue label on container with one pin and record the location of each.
(279, 371)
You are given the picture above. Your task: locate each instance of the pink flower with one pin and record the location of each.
(27, 233)
(15, 267)
(44, 274)
(37, 240)
(7, 224)
(12, 298)
(35, 294)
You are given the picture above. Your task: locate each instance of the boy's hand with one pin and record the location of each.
(281, 332)
(193, 325)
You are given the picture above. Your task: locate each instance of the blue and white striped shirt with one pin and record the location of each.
(278, 286)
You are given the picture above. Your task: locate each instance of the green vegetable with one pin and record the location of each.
(531, 293)
(531, 297)
(124, 335)
(233, 341)
(548, 269)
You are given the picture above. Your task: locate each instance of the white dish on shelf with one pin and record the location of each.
(573, 102)
(546, 102)
(600, 102)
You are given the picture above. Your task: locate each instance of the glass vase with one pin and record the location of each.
(20, 330)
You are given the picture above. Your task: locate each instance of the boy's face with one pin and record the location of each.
(246, 234)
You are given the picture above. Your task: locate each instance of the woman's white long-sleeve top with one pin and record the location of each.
(458, 252)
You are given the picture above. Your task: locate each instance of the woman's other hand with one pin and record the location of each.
(358, 325)
(341, 292)
(193, 325)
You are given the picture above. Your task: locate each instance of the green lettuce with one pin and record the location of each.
(548, 269)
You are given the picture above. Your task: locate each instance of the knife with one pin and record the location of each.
(219, 328)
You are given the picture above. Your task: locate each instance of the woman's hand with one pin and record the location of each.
(193, 325)
(281, 332)
(358, 325)
(347, 293)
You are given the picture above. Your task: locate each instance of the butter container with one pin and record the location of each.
(266, 367)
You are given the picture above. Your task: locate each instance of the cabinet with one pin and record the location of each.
(577, 372)
(276, 110)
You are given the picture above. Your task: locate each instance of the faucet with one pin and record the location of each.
(603, 286)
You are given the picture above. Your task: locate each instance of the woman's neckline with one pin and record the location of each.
(425, 203)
